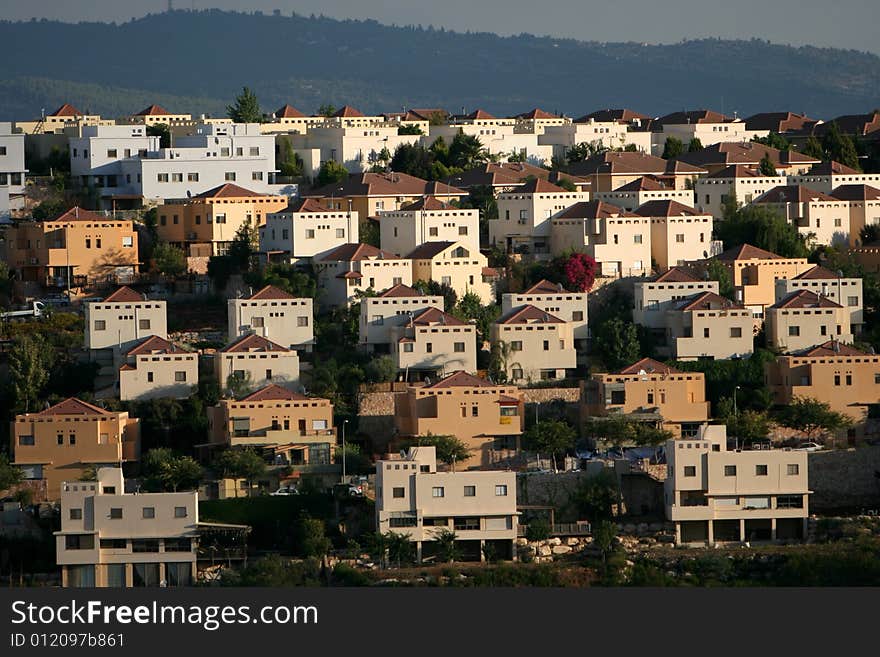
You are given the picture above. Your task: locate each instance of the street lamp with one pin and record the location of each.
(344, 422)
(735, 415)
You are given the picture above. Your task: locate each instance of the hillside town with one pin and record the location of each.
(281, 348)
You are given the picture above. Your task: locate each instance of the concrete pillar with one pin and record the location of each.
(678, 533)
(482, 551)
(513, 552)
(772, 529)
(418, 552)
(710, 532)
(742, 529)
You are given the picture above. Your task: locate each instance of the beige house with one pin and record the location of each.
(304, 230)
(253, 358)
(803, 319)
(61, 442)
(297, 430)
(454, 264)
(828, 176)
(123, 318)
(649, 391)
(618, 240)
(643, 190)
(488, 418)
(652, 298)
(110, 538)
(275, 315)
(611, 129)
(678, 233)
(208, 222)
(553, 298)
(716, 157)
(154, 368)
(612, 169)
(739, 182)
(392, 308)
(831, 285)
(433, 342)
(352, 269)
(707, 126)
(77, 247)
(864, 207)
(821, 218)
(845, 378)
(414, 499)
(754, 273)
(288, 119)
(428, 220)
(524, 213)
(715, 495)
(157, 115)
(66, 116)
(707, 326)
(541, 345)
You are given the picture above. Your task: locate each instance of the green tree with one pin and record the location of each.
(811, 416)
(10, 475)
(673, 148)
(244, 244)
(746, 426)
(550, 437)
(604, 538)
(409, 130)
(163, 471)
(239, 385)
(327, 110)
(774, 140)
(29, 367)
(766, 167)
(414, 160)
(311, 539)
(718, 272)
(567, 184)
(869, 234)
(290, 164)
(244, 464)
(163, 132)
(400, 548)
(49, 208)
(381, 370)
(470, 309)
(449, 449)
(596, 496)
(584, 151)
(763, 227)
(446, 541)
(169, 260)
(435, 289)
(331, 173)
(5, 285)
(695, 145)
(466, 151)
(617, 341)
(245, 109)
(813, 148)
(298, 280)
(840, 147)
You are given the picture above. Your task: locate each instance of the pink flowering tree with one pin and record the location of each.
(580, 272)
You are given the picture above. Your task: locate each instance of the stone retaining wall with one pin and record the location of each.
(845, 478)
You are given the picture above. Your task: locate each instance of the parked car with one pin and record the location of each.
(286, 490)
(809, 447)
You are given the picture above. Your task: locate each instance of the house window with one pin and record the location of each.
(849, 379)
(180, 512)
(637, 239)
(257, 175)
(706, 332)
(475, 411)
(254, 151)
(761, 470)
(115, 514)
(794, 330)
(516, 373)
(408, 347)
(340, 233)
(230, 176)
(470, 491)
(149, 512)
(437, 491)
(29, 440)
(546, 345)
(397, 492)
(429, 348)
(111, 152)
(736, 332)
(432, 232)
(852, 301)
(302, 320)
(690, 471)
(180, 376)
(462, 230)
(76, 514)
(144, 324)
(100, 325)
(729, 470)
(176, 177)
(149, 377)
(192, 177)
(516, 345)
(459, 347)
(378, 320)
(224, 151)
(257, 322)
(577, 316)
(310, 233)
(837, 379)
(501, 490)
(792, 469)
(162, 177)
(679, 238)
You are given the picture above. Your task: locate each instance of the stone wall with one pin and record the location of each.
(544, 395)
(845, 478)
(376, 418)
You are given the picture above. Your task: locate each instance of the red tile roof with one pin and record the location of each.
(693, 116)
(616, 115)
(749, 152)
(536, 114)
(305, 205)
(76, 213)
(539, 186)
(594, 210)
(74, 406)
(676, 275)
(274, 392)
(125, 293)
(805, 299)
(271, 292)
(816, 273)
(706, 301)
(856, 193)
(649, 366)
(229, 190)
(643, 184)
(792, 194)
(401, 290)
(252, 342)
(153, 110)
(628, 163)
(155, 345)
(430, 249)
(747, 252)
(545, 287)
(778, 121)
(832, 168)
(426, 203)
(529, 314)
(350, 274)
(460, 379)
(479, 114)
(831, 348)
(355, 252)
(67, 110)
(666, 208)
(288, 112)
(434, 316)
(348, 112)
(738, 171)
(384, 184)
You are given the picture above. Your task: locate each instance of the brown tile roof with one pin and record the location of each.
(346, 111)
(401, 290)
(153, 110)
(832, 168)
(274, 392)
(460, 379)
(434, 316)
(545, 287)
(693, 116)
(490, 272)
(74, 406)
(288, 112)
(229, 190)
(252, 342)
(666, 208)
(593, 210)
(426, 203)
(805, 299)
(853, 124)
(423, 114)
(706, 301)
(627, 163)
(676, 275)
(529, 314)
(750, 152)
(77, 213)
(816, 273)
(125, 293)
(643, 184)
(67, 110)
(305, 205)
(155, 345)
(831, 348)
(649, 366)
(479, 114)
(536, 114)
(747, 252)
(355, 252)
(856, 193)
(271, 292)
(350, 274)
(556, 176)
(429, 250)
(779, 121)
(440, 188)
(382, 184)
(539, 186)
(792, 194)
(618, 115)
(738, 171)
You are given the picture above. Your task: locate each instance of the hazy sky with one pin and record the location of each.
(837, 23)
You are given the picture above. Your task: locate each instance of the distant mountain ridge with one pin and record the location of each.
(197, 61)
